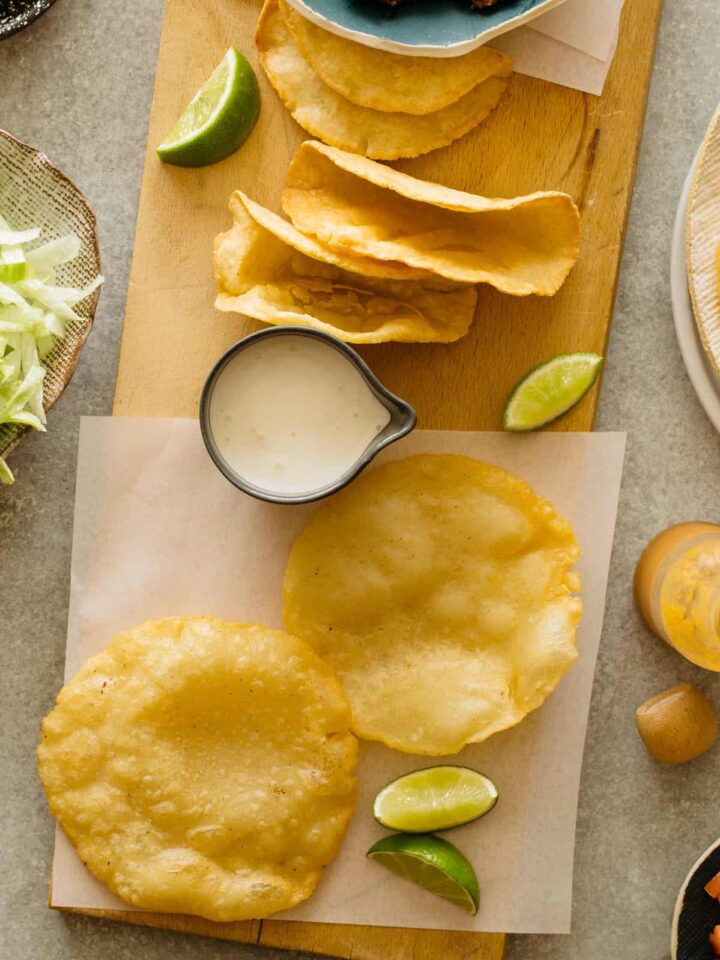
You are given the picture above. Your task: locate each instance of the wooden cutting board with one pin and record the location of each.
(541, 137)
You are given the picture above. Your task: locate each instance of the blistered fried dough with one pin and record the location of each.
(520, 246)
(202, 767)
(327, 115)
(241, 205)
(440, 590)
(391, 82)
(267, 270)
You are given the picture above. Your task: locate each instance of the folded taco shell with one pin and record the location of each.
(326, 114)
(266, 270)
(520, 246)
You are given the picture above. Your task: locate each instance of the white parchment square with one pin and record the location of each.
(585, 25)
(159, 532)
(537, 55)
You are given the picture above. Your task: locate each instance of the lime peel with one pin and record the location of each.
(431, 863)
(218, 119)
(550, 390)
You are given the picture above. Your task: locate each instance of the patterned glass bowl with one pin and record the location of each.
(427, 28)
(17, 14)
(34, 193)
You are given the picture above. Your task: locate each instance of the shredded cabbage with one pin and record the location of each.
(34, 312)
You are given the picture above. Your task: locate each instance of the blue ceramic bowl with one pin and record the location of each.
(428, 28)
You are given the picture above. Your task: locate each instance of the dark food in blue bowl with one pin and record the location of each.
(474, 4)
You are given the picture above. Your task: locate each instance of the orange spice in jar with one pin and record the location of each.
(677, 590)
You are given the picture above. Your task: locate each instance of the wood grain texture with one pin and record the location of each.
(246, 932)
(382, 943)
(541, 137)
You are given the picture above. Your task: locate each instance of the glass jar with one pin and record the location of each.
(677, 589)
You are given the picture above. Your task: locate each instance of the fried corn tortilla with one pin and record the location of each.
(268, 271)
(391, 82)
(519, 246)
(440, 590)
(202, 767)
(313, 248)
(327, 115)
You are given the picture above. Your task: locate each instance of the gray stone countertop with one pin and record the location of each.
(78, 84)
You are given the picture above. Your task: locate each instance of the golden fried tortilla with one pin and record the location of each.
(267, 270)
(440, 590)
(391, 82)
(519, 246)
(202, 767)
(373, 133)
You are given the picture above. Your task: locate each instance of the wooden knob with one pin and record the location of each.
(678, 724)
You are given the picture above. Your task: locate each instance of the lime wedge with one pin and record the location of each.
(550, 390)
(219, 118)
(436, 798)
(431, 863)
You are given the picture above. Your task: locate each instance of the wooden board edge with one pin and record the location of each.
(333, 940)
(380, 943)
(244, 932)
(651, 14)
(150, 157)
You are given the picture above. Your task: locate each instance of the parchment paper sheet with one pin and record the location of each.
(572, 45)
(159, 532)
(586, 25)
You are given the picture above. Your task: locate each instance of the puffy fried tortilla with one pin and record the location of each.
(267, 270)
(391, 82)
(373, 133)
(440, 590)
(202, 767)
(520, 246)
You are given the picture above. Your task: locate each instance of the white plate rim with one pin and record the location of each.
(692, 241)
(700, 372)
(426, 50)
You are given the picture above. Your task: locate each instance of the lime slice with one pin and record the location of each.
(431, 863)
(436, 798)
(220, 117)
(550, 390)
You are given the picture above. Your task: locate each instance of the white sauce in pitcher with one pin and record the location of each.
(290, 414)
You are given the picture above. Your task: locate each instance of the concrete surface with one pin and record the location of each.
(79, 84)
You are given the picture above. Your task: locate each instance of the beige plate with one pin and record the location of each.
(702, 243)
(34, 193)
